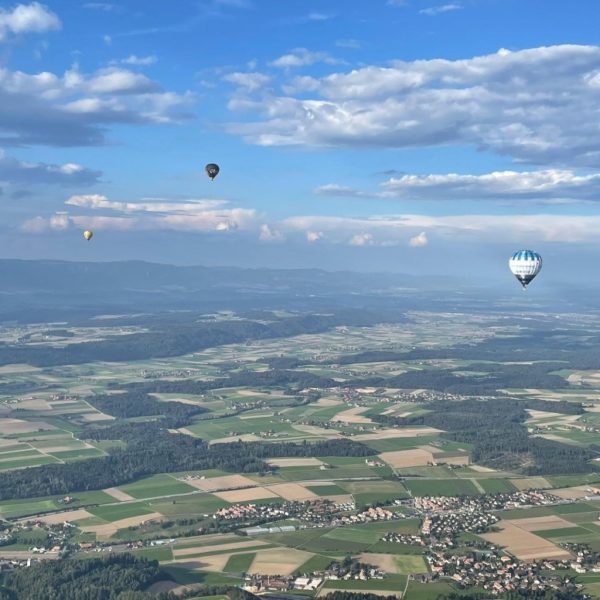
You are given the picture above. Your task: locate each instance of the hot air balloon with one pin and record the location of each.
(88, 235)
(212, 170)
(525, 265)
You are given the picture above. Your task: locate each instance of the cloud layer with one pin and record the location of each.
(536, 105)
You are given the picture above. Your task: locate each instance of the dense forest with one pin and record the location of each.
(135, 404)
(163, 452)
(114, 577)
(496, 430)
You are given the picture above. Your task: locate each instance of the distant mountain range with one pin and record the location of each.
(46, 290)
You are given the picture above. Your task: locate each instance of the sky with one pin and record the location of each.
(414, 136)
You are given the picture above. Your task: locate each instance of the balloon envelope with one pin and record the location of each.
(212, 170)
(88, 235)
(525, 265)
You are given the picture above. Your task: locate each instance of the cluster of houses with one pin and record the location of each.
(337, 571)
(485, 502)
(497, 573)
(366, 516)
(449, 524)
(318, 513)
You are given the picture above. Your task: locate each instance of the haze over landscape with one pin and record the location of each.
(259, 331)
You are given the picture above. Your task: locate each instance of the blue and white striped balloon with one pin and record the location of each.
(525, 265)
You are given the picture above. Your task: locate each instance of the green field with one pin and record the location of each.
(239, 563)
(157, 486)
(441, 487)
(116, 512)
(496, 486)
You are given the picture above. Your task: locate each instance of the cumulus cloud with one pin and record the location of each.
(19, 172)
(443, 8)
(314, 236)
(269, 234)
(361, 239)
(73, 109)
(250, 81)
(418, 241)
(27, 18)
(535, 105)
(198, 215)
(302, 57)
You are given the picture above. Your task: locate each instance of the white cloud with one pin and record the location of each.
(396, 229)
(301, 57)
(107, 39)
(551, 185)
(361, 239)
(314, 236)
(269, 234)
(99, 202)
(139, 61)
(27, 18)
(535, 105)
(14, 171)
(317, 16)
(418, 241)
(75, 108)
(250, 81)
(437, 10)
(113, 80)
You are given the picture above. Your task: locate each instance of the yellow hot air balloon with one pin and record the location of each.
(87, 234)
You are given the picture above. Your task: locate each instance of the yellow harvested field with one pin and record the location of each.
(245, 495)
(384, 434)
(385, 562)
(216, 563)
(108, 529)
(250, 393)
(407, 458)
(25, 554)
(217, 548)
(579, 491)
(245, 437)
(295, 462)
(541, 414)
(61, 517)
(320, 431)
(278, 561)
(530, 483)
(256, 416)
(11, 426)
(95, 417)
(292, 491)
(523, 544)
(541, 523)
(118, 494)
(352, 415)
(480, 469)
(35, 404)
(226, 482)
(327, 402)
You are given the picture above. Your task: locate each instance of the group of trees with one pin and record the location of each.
(138, 404)
(499, 437)
(162, 452)
(115, 577)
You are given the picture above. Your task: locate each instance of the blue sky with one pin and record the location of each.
(416, 136)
